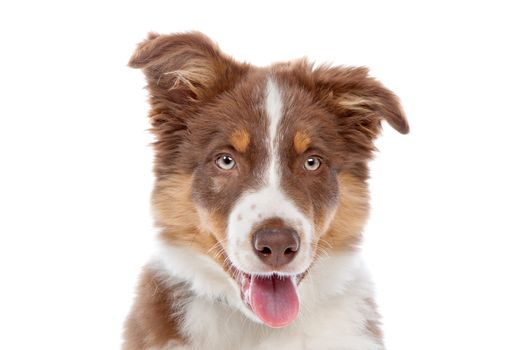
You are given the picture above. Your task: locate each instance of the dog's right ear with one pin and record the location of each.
(183, 71)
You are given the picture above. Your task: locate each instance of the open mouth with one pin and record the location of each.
(273, 298)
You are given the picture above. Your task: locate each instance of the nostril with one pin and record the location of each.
(266, 251)
(289, 251)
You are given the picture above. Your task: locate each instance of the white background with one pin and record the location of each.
(445, 241)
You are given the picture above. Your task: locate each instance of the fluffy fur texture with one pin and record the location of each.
(268, 124)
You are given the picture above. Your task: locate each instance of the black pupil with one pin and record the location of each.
(311, 162)
(227, 160)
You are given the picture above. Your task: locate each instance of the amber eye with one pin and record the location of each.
(312, 163)
(225, 162)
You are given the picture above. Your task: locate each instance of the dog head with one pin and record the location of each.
(261, 169)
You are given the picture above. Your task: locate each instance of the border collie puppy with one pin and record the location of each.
(260, 199)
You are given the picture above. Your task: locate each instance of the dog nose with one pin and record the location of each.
(276, 246)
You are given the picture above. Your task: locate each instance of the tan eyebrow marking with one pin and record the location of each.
(240, 139)
(301, 141)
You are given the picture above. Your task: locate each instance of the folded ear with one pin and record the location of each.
(183, 70)
(360, 102)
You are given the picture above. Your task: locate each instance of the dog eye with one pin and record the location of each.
(225, 162)
(312, 163)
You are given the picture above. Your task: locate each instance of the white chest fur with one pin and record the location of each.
(338, 324)
(336, 308)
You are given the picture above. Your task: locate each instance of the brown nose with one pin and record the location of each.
(276, 246)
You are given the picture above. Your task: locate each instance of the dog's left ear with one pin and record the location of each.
(359, 101)
(184, 72)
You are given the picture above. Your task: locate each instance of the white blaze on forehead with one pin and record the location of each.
(267, 201)
(274, 109)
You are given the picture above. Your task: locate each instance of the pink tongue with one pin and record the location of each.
(274, 300)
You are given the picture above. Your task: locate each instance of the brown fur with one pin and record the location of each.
(181, 221)
(183, 72)
(359, 102)
(203, 104)
(350, 217)
(154, 321)
(176, 214)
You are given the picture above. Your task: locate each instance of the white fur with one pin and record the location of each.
(334, 306)
(274, 111)
(267, 202)
(206, 278)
